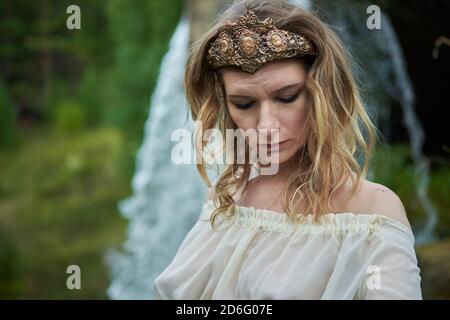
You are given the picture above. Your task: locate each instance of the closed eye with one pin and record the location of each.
(286, 100)
(289, 99)
(244, 106)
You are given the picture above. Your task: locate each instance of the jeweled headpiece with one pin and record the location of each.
(249, 43)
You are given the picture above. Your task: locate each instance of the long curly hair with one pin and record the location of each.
(341, 135)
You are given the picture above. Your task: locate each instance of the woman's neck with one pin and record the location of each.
(284, 170)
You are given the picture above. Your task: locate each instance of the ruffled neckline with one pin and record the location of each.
(345, 222)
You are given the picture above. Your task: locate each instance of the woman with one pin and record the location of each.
(316, 228)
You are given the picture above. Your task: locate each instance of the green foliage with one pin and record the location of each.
(92, 100)
(8, 130)
(138, 46)
(10, 275)
(92, 87)
(58, 200)
(393, 167)
(109, 66)
(70, 117)
(439, 192)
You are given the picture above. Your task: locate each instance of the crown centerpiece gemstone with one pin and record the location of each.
(249, 43)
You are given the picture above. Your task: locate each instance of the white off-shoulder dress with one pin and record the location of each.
(260, 254)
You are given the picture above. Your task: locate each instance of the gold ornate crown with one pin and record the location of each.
(249, 43)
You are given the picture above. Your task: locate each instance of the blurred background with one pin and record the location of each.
(85, 122)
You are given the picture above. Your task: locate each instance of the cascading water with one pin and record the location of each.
(387, 81)
(166, 197)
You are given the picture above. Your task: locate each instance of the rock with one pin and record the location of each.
(434, 261)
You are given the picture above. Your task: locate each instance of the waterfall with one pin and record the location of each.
(387, 81)
(306, 4)
(166, 198)
(416, 134)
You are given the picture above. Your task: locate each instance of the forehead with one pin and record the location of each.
(271, 76)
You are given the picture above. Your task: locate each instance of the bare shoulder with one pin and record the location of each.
(378, 199)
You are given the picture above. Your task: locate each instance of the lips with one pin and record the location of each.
(274, 145)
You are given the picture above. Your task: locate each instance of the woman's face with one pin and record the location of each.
(271, 98)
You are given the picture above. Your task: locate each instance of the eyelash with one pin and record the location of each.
(282, 100)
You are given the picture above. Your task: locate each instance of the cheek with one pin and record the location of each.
(293, 120)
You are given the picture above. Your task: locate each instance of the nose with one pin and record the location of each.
(268, 123)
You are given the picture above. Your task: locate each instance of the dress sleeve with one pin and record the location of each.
(392, 271)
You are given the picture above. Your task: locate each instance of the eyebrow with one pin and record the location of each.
(276, 91)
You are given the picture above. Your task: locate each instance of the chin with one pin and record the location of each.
(283, 156)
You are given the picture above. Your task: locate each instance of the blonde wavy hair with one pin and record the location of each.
(340, 130)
